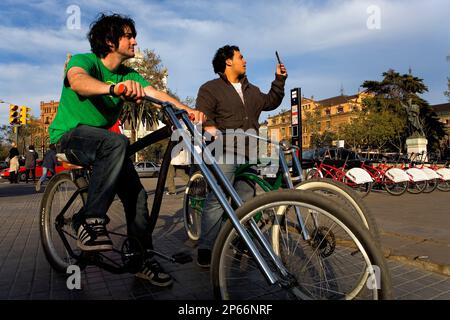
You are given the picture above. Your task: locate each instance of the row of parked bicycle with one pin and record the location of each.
(412, 173)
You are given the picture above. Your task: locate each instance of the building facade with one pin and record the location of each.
(318, 117)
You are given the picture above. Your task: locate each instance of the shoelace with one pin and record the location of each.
(97, 228)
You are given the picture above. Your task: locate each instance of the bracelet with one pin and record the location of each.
(111, 90)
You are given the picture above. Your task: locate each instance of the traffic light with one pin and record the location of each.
(14, 116)
(24, 115)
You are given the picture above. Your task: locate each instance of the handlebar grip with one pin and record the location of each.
(191, 116)
(121, 89)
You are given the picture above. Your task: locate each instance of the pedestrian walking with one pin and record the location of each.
(13, 163)
(30, 163)
(48, 165)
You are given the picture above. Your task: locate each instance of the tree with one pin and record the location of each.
(150, 67)
(312, 124)
(396, 90)
(354, 133)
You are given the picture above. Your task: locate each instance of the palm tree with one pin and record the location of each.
(135, 114)
(148, 64)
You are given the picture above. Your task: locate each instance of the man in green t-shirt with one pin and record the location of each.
(89, 105)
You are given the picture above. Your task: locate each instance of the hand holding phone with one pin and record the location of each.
(278, 57)
(280, 69)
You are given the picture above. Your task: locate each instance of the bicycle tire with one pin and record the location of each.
(431, 185)
(347, 199)
(394, 188)
(416, 187)
(363, 189)
(194, 195)
(444, 185)
(314, 173)
(248, 277)
(57, 193)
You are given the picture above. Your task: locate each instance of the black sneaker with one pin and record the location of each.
(152, 271)
(93, 236)
(204, 258)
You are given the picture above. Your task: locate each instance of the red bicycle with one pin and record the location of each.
(355, 178)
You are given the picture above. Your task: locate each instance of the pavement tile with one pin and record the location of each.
(25, 273)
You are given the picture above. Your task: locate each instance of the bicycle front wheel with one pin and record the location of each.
(335, 263)
(194, 200)
(59, 204)
(347, 199)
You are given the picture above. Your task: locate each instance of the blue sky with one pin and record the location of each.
(324, 44)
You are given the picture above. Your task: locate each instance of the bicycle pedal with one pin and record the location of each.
(182, 257)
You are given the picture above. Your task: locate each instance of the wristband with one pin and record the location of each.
(111, 90)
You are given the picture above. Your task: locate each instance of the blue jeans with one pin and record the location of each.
(112, 173)
(45, 173)
(212, 216)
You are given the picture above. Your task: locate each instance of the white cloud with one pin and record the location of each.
(28, 85)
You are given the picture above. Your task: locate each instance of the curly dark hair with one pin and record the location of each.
(108, 28)
(222, 54)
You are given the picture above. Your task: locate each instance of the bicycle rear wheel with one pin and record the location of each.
(193, 202)
(335, 263)
(57, 234)
(416, 187)
(394, 188)
(444, 185)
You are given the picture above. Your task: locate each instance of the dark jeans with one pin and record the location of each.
(213, 213)
(33, 174)
(112, 173)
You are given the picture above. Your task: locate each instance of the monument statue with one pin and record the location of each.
(414, 122)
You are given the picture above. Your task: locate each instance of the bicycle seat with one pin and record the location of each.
(61, 157)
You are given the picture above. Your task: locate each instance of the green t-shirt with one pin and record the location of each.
(99, 111)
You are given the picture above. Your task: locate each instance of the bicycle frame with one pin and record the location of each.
(208, 171)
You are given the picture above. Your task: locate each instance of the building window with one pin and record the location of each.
(327, 112)
(340, 109)
(283, 132)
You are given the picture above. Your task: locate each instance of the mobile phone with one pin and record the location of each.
(278, 58)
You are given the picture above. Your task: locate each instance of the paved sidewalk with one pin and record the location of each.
(415, 229)
(25, 273)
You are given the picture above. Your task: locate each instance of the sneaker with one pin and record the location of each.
(152, 271)
(38, 186)
(93, 236)
(204, 258)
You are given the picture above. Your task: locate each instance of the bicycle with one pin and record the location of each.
(196, 189)
(320, 234)
(393, 180)
(356, 178)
